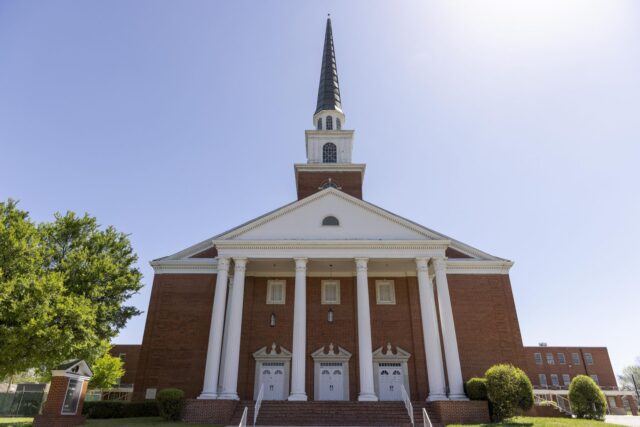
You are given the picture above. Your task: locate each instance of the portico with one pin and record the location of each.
(336, 258)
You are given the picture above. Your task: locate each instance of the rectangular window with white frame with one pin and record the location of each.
(330, 292)
(588, 359)
(276, 291)
(554, 380)
(543, 380)
(538, 358)
(561, 359)
(566, 379)
(595, 378)
(550, 360)
(575, 357)
(385, 292)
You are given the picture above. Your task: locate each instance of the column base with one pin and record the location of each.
(367, 397)
(206, 395)
(458, 397)
(228, 396)
(298, 397)
(433, 397)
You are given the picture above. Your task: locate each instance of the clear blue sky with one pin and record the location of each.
(512, 126)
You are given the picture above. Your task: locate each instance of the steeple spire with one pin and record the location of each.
(329, 89)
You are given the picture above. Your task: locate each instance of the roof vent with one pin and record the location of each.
(542, 344)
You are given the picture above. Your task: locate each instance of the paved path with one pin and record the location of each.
(625, 420)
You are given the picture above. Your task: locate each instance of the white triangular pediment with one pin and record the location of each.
(331, 354)
(272, 354)
(303, 220)
(383, 354)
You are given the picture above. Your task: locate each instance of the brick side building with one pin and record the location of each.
(330, 298)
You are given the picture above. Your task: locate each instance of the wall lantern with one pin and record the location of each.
(272, 320)
(330, 316)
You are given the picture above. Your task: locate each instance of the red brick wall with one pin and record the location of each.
(486, 322)
(174, 346)
(601, 364)
(309, 182)
(132, 356)
(461, 412)
(52, 410)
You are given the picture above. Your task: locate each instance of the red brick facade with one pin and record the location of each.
(309, 183)
(130, 353)
(601, 365)
(174, 346)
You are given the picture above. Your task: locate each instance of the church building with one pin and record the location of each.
(328, 298)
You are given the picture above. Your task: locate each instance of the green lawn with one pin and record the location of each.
(543, 422)
(15, 422)
(116, 422)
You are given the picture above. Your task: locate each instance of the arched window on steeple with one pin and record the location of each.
(329, 153)
(329, 123)
(338, 123)
(319, 123)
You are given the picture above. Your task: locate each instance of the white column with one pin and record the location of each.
(212, 368)
(456, 386)
(435, 368)
(298, 359)
(232, 356)
(365, 350)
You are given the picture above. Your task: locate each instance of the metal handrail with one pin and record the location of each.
(407, 402)
(243, 420)
(426, 421)
(256, 409)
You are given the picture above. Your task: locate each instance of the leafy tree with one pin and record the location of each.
(63, 286)
(626, 380)
(508, 389)
(586, 398)
(107, 370)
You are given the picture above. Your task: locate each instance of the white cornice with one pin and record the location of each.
(324, 167)
(334, 133)
(472, 266)
(185, 266)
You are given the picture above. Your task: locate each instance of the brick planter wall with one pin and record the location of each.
(461, 411)
(209, 411)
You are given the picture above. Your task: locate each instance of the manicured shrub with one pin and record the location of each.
(586, 398)
(170, 403)
(117, 409)
(476, 389)
(508, 389)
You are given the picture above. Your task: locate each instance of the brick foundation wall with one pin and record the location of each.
(209, 411)
(461, 411)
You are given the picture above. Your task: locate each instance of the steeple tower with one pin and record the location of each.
(328, 115)
(329, 146)
(329, 89)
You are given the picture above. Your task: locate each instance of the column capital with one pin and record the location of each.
(439, 263)
(361, 263)
(240, 263)
(301, 262)
(223, 264)
(422, 264)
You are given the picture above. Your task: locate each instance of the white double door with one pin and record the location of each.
(332, 381)
(272, 376)
(390, 381)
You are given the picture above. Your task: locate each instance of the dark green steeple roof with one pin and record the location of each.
(329, 89)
